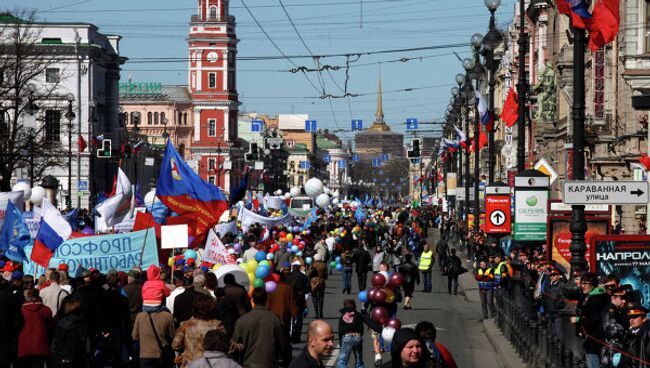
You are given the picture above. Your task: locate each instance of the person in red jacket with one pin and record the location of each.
(33, 340)
(154, 291)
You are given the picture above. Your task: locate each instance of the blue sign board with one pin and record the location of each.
(82, 186)
(342, 164)
(384, 157)
(376, 162)
(357, 124)
(411, 124)
(311, 126)
(305, 164)
(327, 158)
(355, 158)
(256, 125)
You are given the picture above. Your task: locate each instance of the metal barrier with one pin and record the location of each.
(533, 340)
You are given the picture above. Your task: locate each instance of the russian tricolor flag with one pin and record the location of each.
(53, 232)
(462, 138)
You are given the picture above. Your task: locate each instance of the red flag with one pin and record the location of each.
(645, 161)
(144, 220)
(604, 23)
(482, 141)
(81, 143)
(510, 110)
(577, 10)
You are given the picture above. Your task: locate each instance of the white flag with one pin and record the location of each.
(117, 208)
(482, 104)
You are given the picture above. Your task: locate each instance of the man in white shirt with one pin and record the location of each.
(54, 294)
(178, 282)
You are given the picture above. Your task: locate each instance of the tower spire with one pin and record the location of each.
(379, 115)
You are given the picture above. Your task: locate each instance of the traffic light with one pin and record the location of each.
(105, 150)
(415, 151)
(252, 154)
(126, 150)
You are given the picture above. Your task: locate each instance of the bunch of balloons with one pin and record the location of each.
(336, 264)
(382, 293)
(260, 272)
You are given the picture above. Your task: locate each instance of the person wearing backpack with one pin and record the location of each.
(69, 342)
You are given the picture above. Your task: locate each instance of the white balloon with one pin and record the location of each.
(313, 187)
(335, 201)
(387, 334)
(38, 193)
(295, 191)
(150, 198)
(287, 195)
(278, 192)
(23, 187)
(326, 190)
(335, 194)
(323, 200)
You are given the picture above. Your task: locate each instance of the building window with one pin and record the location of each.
(212, 163)
(184, 118)
(155, 118)
(52, 75)
(179, 118)
(162, 118)
(211, 179)
(149, 118)
(213, 12)
(599, 84)
(212, 80)
(212, 127)
(52, 126)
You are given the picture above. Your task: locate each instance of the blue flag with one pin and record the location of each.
(310, 219)
(139, 201)
(15, 234)
(359, 215)
(240, 192)
(73, 219)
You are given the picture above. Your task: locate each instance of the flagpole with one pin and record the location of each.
(522, 44)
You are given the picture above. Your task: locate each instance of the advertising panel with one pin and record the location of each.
(531, 215)
(626, 256)
(560, 239)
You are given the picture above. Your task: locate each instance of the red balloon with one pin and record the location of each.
(394, 323)
(396, 279)
(378, 280)
(379, 315)
(301, 246)
(275, 277)
(283, 234)
(377, 296)
(295, 241)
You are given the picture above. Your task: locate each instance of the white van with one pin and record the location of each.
(302, 203)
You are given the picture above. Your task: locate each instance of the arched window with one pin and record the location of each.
(162, 118)
(149, 118)
(179, 118)
(132, 118)
(213, 12)
(184, 118)
(155, 118)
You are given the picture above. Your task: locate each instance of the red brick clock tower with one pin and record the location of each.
(213, 87)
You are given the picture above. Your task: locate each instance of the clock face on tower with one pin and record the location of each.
(213, 56)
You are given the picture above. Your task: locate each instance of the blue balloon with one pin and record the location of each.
(270, 256)
(363, 296)
(295, 249)
(262, 271)
(338, 259)
(299, 254)
(190, 254)
(339, 267)
(308, 260)
(260, 256)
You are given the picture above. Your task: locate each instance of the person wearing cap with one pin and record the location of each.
(588, 317)
(553, 301)
(615, 321)
(408, 350)
(300, 286)
(637, 344)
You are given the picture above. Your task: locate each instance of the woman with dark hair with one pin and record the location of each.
(215, 346)
(408, 351)
(211, 283)
(410, 276)
(190, 334)
(69, 341)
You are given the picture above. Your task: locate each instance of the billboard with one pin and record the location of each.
(626, 256)
(560, 239)
(292, 121)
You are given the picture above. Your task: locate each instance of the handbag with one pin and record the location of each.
(167, 354)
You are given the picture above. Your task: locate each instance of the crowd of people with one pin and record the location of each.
(180, 313)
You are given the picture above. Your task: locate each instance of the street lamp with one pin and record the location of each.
(490, 42)
(70, 115)
(475, 72)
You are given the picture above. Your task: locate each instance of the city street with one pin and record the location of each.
(457, 320)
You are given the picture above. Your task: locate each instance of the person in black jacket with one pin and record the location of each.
(11, 320)
(410, 275)
(637, 344)
(553, 301)
(183, 302)
(351, 333)
(362, 261)
(588, 317)
(301, 287)
(454, 268)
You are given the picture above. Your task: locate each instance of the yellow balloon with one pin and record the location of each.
(216, 267)
(252, 265)
(170, 262)
(390, 296)
(289, 237)
(251, 278)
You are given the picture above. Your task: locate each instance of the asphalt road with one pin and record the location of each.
(456, 319)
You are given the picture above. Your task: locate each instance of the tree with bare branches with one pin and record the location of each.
(32, 106)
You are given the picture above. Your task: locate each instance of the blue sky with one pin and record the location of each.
(158, 29)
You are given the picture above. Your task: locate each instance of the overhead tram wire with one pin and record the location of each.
(316, 61)
(276, 45)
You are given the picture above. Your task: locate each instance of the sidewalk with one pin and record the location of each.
(469, 289)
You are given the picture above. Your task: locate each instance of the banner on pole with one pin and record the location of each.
(248, 218)
(121, 252)
(215, 251)
(225, 228)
